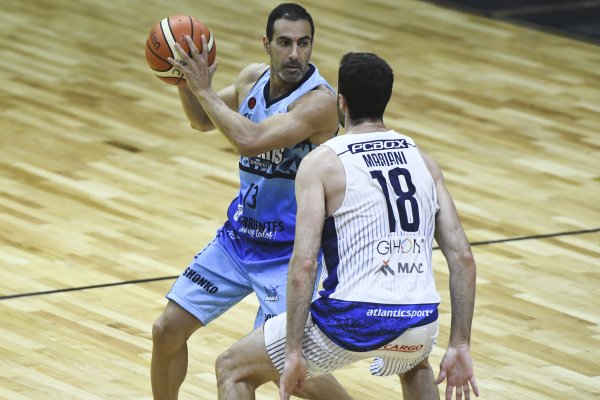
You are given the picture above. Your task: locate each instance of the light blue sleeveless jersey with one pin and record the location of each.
(265, 209)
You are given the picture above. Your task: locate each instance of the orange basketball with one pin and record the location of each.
(161, 41)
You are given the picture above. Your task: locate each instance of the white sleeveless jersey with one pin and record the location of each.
(378, 245)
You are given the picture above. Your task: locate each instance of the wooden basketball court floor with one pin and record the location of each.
(106, 193)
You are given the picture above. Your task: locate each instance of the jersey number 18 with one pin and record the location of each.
(404, 198)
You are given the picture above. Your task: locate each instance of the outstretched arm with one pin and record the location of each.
(457, 365)
(302, 272)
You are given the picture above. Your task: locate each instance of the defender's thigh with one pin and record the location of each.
(247, 360)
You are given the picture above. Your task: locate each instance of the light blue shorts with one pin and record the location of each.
(229, 269)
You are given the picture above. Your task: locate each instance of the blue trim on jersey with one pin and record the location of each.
(265, 208)
(267, 175)
(286, 169)
(329, 244)
(361, 326)
(268, 70)
(269, 102)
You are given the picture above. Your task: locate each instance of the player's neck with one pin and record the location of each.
(365, 127)
(278, 87)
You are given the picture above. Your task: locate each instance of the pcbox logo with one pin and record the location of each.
(378, 145)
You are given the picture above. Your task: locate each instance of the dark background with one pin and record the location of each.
(577, 19)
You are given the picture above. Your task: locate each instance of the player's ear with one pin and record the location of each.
(266, 45)
(341, 109)
(342, 105)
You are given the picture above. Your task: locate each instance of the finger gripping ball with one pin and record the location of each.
(161, 41)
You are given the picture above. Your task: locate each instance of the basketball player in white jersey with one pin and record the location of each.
(274, 116)
(373, 202)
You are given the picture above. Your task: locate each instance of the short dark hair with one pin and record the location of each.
(366, 81)
(291, 12)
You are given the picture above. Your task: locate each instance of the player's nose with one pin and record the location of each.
(294, 52)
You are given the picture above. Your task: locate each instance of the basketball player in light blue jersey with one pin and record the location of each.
(273, 116)
(374, 203)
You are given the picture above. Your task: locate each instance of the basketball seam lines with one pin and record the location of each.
(170, 38)
(159, 57)
(168, 35)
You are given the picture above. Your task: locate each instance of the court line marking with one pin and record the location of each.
(164, 278)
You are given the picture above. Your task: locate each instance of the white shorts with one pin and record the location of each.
(323, 356)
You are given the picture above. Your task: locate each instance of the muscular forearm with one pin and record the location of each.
(194, 111)
(238, 129)
(462, 294)
(301, 282)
